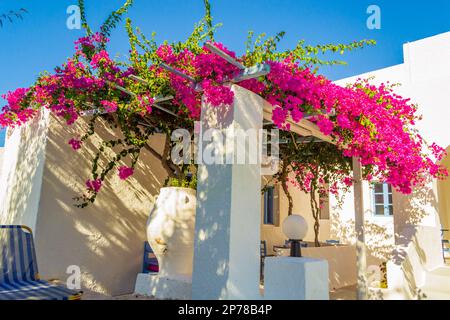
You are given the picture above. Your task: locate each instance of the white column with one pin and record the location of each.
(361, 261)
(227, 230)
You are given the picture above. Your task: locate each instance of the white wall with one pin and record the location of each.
(379, 230)
(2, 150)
(21, 172)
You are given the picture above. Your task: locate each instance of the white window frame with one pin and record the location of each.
(386, 203)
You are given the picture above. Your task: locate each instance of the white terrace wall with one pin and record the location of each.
(2, 150)
(425, 78)
(21, 172)
(41, 175)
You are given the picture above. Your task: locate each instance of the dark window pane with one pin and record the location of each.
(390, 199)
(391, 210)
(379, 210)
(268, 206)
(265, 207)
(379, 199)
(389, 188)
(378, 187)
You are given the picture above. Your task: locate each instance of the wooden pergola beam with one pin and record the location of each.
(224, 55)
(304, 127)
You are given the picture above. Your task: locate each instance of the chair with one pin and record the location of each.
(19, 277)
(445, 245)
(263, 255)
(150, 261)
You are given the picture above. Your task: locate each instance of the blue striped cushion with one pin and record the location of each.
(17, 255)
(151, 264)
(19, 277)
(34, 290)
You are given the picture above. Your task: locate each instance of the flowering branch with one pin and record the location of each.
(365, 121)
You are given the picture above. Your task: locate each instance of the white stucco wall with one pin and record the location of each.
(21, 172)
(2, 150)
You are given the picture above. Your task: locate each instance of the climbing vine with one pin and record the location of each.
(365, 121)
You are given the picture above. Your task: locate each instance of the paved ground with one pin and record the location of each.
(347, 293)
(87, 295)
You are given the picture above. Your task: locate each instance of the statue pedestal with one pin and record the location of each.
(293, 278)
(160, 287)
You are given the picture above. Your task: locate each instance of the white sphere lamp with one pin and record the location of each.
(295, 228)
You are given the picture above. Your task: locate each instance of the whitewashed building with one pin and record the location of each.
(40, 175)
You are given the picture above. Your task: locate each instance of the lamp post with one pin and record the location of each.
(295, 228)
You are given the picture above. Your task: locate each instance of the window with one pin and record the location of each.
(382, 199)
(269, 206)
(270, 203)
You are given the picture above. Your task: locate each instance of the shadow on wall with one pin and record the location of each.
(417, 208)
(379, 238)
(214, 228)
(409, 211)
(418, 240)
(105, 239)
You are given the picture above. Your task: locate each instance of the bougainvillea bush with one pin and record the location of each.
(365, 121)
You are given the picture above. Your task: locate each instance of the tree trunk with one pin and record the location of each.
(316, 215)
(284, 185)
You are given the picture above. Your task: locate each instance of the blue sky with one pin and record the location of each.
(42, 41)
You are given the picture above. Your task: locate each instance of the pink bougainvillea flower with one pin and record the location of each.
(217, 95)
(100, 58)
(94, 185)
(343, 121)
(109, 106)
(125, 172)
(75, 143)
(369, 122)
(348, 181)
(325, 125)
(146, 103)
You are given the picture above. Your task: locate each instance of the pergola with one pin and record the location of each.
(304, 128)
